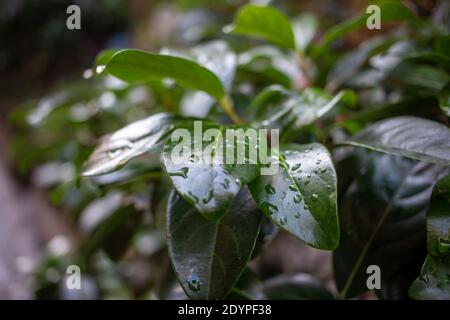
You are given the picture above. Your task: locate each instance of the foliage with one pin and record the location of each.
(389, 95)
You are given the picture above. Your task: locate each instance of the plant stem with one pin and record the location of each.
(363, 254)
(228, 108)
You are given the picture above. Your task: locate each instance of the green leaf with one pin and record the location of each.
(347, 66)
(304, 27)
(209, 256)
(271, 63)
(444, 101)
(102, 59)
(411, 137)
(264, 22)
(382, 206)
(297, 286)
(137, 66)
(391, 11)
(201, 175)
(127, 143)
(434, 280)
(216, 56)
(301, 197)
(277, 107)
(418, 76)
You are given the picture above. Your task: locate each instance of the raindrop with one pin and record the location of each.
(208, 197)
(323, 170)
(307, 150)
(293, 187)
(226, 183)
(114, 153)
(297, 215)
(269, 189)
(193, 197)
(298, 198)
(283, 221)
(180, 173)
(443, 245)
(194, 282)
(270, 208)
(306, 207)
(318, 161)
(296, 167)
(315, 197)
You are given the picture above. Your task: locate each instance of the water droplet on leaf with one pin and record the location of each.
(194, 283)
(269, 189)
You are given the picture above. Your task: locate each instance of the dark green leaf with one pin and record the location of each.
(264, 22)
(382, 213)
(202, 176)
(411, 137)
(140, 66)
(127, 143)
(209, 256)
(301, 197)
(434, 281)
(215, 56)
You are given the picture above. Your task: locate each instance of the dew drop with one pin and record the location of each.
(318, 161)
(113, 153)
(297, 215)
(180, 173)
(193, 197)
(296, 167)
(298, 198)
(443, 245)
(306, 207)
(194, 283)
(226, 183)
(283, 221)
(269, 189)
(315, 197)
(293, 187)
(208, 197)
(270, 208)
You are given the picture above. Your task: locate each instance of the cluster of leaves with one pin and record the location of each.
(369, 97)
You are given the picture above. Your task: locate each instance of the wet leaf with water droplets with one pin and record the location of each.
(208, 184)
(117, 149)
(304, 209)
(209, 256)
